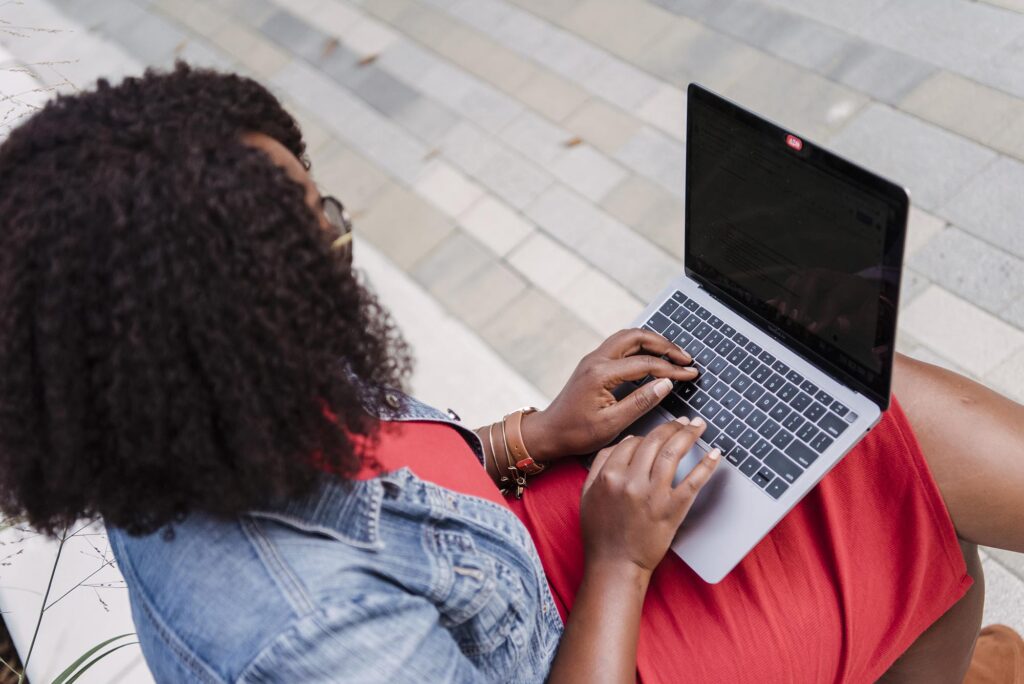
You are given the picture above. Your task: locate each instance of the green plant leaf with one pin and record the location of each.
(63, 677)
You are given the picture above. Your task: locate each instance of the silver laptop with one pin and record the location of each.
(788, 305)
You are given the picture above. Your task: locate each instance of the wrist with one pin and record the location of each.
(617, 573)
(539, 438)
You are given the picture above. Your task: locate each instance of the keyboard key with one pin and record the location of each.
(787, 392)
(780, 368)
(714, 339)
(821, 442)
(668, 307)
(776, 488)
(748, 439)
(743, 409)
(686, 390)
(702, 331)
(761, 373)
(750, 466)
(736, 456)
(807, 433)
(730, 399)
(737, 356)
(711, 409)
(722, 419)
(703, 313)
(696, 347)
(727, 330)
(729, 373)
(741, 383)
(740, 339)
(839, 408)
(690, 323)
(783, 466)
(809, 387)
(814, 412)
(658, 322)
(723, 442)
(676, 406)
(782, 438)
(800, 401)
(748, 364)
(705, 381)
(794, 377)
(719, 390)
(779, 412)
(800, 453)
(768, 429)
(679, 297)
(766, 402)
(832, 424)
(823, 397)
(718, 365)
(766, 358)
(711, 431)
(761, 449)
(754, 392)
(698, 400)
(774, 382)
(850, 417)
(679, 315)
(735, 428)
(715, 322)
(793, 422)
(684, 338)
(725, 347)
(672, 331)
(762, 477)
(690, 304)
(756, 418)
(752, 348)
(706, 357)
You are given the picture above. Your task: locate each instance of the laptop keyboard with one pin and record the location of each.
(768, 420)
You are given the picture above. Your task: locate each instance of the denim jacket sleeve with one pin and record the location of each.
(384, 634)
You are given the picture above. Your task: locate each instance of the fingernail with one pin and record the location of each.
(715, 454)
(683, 420)
(663, 387)
(697, 422)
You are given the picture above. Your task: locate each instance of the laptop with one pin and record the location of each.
(788, 305)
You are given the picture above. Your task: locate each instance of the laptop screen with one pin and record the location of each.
(797, 238)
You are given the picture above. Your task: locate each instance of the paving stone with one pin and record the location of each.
(809, 104)
(600, 303)
(152, 40)
(651, 210)
(931, 162)
(513, 178)
(251, 49)
(486, 59)
(350, 177)
(428, 26)
(976, 270)
(560, 51)
(535, 137)
(838, 13)
(386, 10)
(407, 60)
(1004, 68)
(468, 146)
(447, 189)
(611, 247)
(912, 285)
(991, 205)
(605, 127)
(620, 83)
(999, 581)
(403, 226)
(296, 36)
(666, 109)
(384, 92)
(486, 295)
(552, 10)
(689, 52)
(692, 8)
(202, 18)
(332, 17)
(884, 74)
(809, 43)
(450, 266)
(959, 330)
(483, 15)
(1008, 378)
(496, 225)
(546, 263)
(1014, 5)
(368, 37)
(551, 95)
(602, 23)
(475, 100)
(657, 156)
(426, 119)
(921, 228)
(964, 106)
(250, 12)
(587, 171)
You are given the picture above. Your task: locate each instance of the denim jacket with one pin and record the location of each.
(392, 579)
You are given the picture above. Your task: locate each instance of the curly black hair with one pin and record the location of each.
(175, 333)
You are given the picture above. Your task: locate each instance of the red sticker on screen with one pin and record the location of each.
(795, 142)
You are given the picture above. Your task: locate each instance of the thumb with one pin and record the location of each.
(638, 402)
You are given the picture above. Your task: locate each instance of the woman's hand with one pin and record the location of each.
(630, 511)
(585, 415)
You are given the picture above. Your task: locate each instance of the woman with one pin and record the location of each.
(185, 351)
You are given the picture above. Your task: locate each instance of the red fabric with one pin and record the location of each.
(436, 453)
(835, 593)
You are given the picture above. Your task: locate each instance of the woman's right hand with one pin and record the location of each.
(630, 511)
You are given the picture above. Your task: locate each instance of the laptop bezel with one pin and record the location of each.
(895, 193)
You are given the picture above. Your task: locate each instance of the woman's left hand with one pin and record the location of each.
(585, 416)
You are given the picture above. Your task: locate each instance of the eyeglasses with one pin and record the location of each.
(340, 222)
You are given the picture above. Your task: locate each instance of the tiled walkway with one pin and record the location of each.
(522, 160)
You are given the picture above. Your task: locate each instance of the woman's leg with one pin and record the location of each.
(973, 440)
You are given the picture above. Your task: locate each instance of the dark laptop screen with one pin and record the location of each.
(797, 237)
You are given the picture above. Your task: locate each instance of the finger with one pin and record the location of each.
(651, 447)
(642, 365)
(663, 470)
(622, 452)
(638, 402)
(686, 491)
(636, 340)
